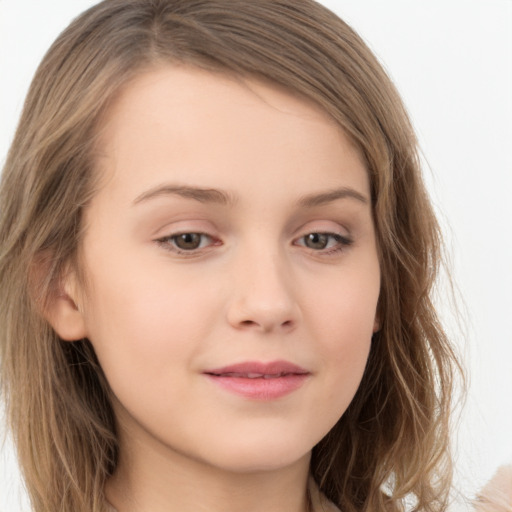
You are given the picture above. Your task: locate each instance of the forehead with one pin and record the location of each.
(198, 119)
(181, 83)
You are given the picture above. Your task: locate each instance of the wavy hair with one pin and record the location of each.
(393, 441)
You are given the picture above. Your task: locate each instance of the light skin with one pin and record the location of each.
(233, 223)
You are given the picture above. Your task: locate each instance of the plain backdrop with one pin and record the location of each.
(452, 62)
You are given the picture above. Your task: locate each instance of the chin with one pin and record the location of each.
(241, 458)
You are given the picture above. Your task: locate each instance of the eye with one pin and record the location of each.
(186, 242)
(329, 242)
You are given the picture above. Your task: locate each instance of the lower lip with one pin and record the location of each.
(260, 388)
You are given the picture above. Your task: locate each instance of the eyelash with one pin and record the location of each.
(341, 242)
(169, 243)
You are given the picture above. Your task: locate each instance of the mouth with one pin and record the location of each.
(259, 381)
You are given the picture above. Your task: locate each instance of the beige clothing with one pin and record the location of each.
(496, 496)
(319, 501)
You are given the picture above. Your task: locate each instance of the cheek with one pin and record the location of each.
(343, 307)
(146, 321)
(343, 316)
(345, 355)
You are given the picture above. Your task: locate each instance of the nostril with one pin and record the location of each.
(252, 323)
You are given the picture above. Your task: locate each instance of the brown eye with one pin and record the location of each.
(317, 241)
(188, 241)
(324, 243)
(187, 244)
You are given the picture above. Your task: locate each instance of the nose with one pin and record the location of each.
(263, 298)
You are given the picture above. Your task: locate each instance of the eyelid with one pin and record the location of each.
(185, 224)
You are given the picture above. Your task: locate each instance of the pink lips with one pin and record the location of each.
(261, 381)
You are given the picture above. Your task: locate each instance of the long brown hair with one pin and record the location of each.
(392, 442)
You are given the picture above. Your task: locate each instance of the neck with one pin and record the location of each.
(151, 479)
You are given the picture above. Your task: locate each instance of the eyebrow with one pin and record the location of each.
(203, 195)
(212, 195)
(323, 198)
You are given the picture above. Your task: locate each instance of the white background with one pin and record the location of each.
(452, 62)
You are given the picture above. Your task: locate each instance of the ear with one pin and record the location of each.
(62, 307)
(64, 314)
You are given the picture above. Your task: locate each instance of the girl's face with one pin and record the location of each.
(232, 270)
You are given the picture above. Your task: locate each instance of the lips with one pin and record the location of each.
(260, 381)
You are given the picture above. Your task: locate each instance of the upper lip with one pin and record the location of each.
(253, 369)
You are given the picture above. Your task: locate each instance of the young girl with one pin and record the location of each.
(217, 256)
